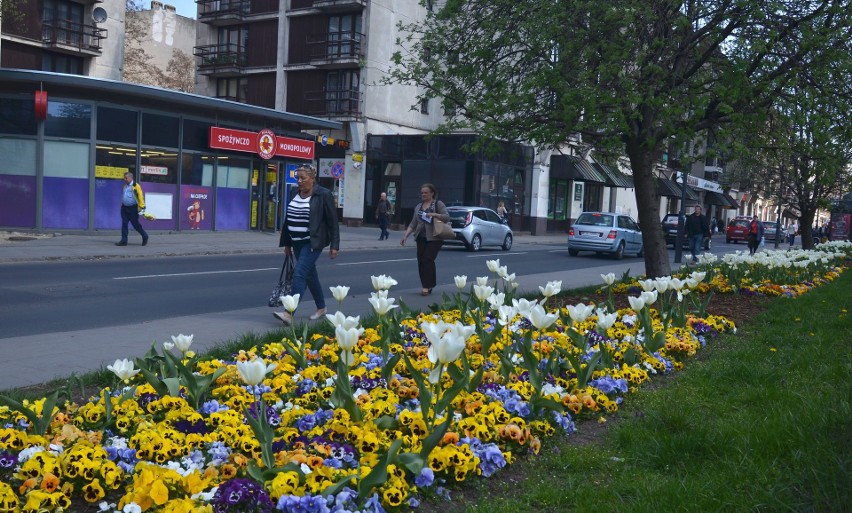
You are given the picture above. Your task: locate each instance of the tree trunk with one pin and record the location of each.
(806, 223)
(648, 202)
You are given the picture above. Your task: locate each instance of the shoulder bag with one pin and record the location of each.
(285, 282)
(442, 230)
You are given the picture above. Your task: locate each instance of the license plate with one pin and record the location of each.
(590, 234)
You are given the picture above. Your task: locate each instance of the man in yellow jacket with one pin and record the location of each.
(132, 204)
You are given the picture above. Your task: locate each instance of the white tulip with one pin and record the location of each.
(339, 292)
(462, 330)
(482, 291)
(503, 271)
(482, 281)
(123, 369)
(510, 278)
(523, 306)
(493, 265)
(579, 312)
(168, 346)
(636, 303)
(608, 278)
(551, 289)
(698, 275)
(342, 321)
(461, 281)
(254, 371)
(182, 342)
(382, 305)
(290, 302)
(539, 317)
(445, 349)
(505, 314)
(605, 320)
(649, 297)
(382, 282)
(433, 330)
(347, 339)
(676, 284)
(662, 284)
(648, 285)
(496, 300)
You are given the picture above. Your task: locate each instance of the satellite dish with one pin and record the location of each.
(99, 15)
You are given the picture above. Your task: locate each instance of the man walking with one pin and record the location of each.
(383, 210)
(696, 229)
(793, 230)
(132, 204)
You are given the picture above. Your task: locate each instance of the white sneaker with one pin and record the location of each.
(319, 314)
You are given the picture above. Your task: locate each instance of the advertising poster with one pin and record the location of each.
(840, 226)
(196, 208)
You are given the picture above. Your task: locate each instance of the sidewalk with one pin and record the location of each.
(38, 358)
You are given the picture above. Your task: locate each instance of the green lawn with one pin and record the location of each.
(760, 421)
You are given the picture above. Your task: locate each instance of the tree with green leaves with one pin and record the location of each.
(631, 77)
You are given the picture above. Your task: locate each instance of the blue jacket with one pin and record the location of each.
(322, 223)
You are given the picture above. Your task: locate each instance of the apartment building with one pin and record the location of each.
(80, 37)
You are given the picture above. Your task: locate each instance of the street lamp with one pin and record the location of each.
(680, 220)
(778, 218)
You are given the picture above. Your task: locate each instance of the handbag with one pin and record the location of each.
(442, 230)
(285, 282)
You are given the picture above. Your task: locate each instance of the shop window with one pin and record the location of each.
(112, 161)
(68, 120)
(158, 130)
(66, 159)
(233, 173)
(557, 205)
(158, 166)
(117, 125)
(196, 169)
(17, 116)
(196, 135)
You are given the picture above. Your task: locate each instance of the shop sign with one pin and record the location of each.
(154, 170)
(697, 183)
(265, 143)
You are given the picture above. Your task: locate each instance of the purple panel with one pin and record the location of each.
(17, 207)
(232, 209)
(196, 208)
(108, 204)
(66, 203)
(161, 188)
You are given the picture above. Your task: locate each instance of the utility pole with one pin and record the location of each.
(680, 220)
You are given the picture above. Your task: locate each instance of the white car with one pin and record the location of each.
(605, 232)
(476, 227)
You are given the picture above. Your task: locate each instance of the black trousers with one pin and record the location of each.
(383, 225)
(131, 215)
(427, 252)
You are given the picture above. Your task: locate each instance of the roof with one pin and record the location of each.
(575, 168)
(722, 200)
(614, 178)
(113, 91)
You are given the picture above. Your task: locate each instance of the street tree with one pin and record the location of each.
(138, 65)
(631, 77)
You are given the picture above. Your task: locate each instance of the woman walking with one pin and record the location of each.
(423, 228)
(310, 224)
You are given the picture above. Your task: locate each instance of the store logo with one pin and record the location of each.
(266, 144)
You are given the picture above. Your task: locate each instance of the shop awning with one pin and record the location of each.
(671, 189)
(722, 200)
(614, 178)
(574, 168)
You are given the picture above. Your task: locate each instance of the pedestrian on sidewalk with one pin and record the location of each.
(132, 206)
(383, 210)
(755, 235)
(422, 227)
(310, 225)
(696, 229)
(793, 229)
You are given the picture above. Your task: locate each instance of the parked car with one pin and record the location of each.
(670, 229)
(605, 232)
(476, 227)
(737, 230)
(769, 230)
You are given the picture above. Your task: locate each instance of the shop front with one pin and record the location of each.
(204, 164)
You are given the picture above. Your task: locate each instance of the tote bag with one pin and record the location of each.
(285, 282)
(442, 230)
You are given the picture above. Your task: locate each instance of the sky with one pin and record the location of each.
(186, 8)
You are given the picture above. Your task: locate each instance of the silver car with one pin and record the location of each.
(476, 227)
(605, 232)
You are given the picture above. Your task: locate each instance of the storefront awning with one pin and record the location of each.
(614, 178)
(722, 200)
(574, 168)
(668, 188)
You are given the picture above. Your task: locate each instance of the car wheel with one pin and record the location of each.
(475, 243)
(573, 252)
(507, 242)
(619, 251)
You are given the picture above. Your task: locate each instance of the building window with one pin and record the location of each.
(424, 106)
(68, 120)
(344, 35)
(63, 22)
(233, 89)
(342, 93)
(117, 125)
(60, 63)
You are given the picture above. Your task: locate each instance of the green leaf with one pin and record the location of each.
(388, 367)
(379, 474)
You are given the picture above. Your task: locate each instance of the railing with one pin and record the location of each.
(221, 55)
(334, 103)
(70, 33)
(335, 46)
(214, 8)
(335, 5)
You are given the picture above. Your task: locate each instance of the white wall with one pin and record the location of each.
(110, 62)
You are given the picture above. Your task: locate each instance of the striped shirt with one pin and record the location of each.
(298, 217)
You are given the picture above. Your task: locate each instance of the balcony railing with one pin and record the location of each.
(221, 8)
(336, 47)
(338, 5)
(334, 103)
(226, 55)
(72, 34)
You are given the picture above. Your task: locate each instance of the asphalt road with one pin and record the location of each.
(53, 297)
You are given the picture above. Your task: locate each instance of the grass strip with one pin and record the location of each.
(760, 421)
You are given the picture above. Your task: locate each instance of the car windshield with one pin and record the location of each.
(595, 220)
(457, 215)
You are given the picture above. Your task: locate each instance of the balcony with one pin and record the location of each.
(337, 50)
(72, 37)
(337, 104)
(221, 60)
(231, 12)
(714, 166)
(339, 5)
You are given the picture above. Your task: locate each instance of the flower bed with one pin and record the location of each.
(364, 421)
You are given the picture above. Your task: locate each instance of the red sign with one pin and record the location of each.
(265, 143)
(41, 104)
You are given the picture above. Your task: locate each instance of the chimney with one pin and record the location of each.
(156, 5)
(170, 8)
